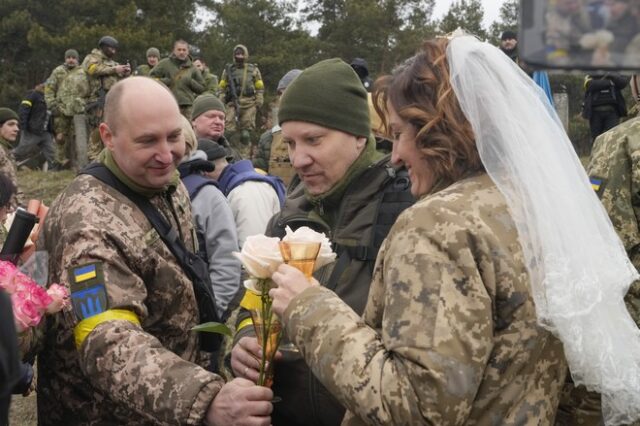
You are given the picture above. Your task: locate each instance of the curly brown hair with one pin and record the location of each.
(420, 92)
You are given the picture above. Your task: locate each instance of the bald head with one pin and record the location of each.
(134, 92)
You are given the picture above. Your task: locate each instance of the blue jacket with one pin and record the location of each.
(243, 171)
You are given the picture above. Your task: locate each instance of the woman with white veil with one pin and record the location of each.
(506, 259)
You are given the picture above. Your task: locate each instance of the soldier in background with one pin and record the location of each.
(272, 155)
(35, 129)
(242, 90)
(210, 79)
(153, 56)
(614, 172)
(181, 76)
(62, 128)
(103, 72)
(9, 129)
(131, 358)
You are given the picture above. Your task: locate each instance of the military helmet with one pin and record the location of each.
(108, 41)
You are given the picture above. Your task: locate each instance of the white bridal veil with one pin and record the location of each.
(579, 269)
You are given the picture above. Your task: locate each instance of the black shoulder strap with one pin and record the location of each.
(394, 198)
(164, 229)
(192, 265)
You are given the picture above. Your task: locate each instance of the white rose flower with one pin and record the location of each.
(260, 256)
(305, 234)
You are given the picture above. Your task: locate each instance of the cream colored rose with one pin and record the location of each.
(260, 256)
(305, 234)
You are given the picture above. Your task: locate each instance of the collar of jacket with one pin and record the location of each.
(5, 143)
(326, 202)
(183, 64)
(107, 159)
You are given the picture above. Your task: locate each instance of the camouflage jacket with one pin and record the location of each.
(101, 71)
(210, 82)
(143, 69)
(8, 168)
(182, 77)
(449, 335)
(72, 93)
(614, 170)
(53, 84)
(273, 156)
(134, 363)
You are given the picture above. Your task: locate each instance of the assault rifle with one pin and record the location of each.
(234, 92)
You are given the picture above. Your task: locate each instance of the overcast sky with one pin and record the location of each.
(491, 9)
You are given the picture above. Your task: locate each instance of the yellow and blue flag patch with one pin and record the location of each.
(88, 292)
(597, 184)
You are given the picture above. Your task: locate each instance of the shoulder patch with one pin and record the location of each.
(88, 292)
(597, 183)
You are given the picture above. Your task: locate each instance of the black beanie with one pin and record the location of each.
(213, 149)
(329, 94)
(506, 35)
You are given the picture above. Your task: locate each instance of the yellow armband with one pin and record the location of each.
(86, 326)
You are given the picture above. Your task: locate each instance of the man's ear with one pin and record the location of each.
(360, 143)
(106, 135)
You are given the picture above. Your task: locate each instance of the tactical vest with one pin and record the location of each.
(279, 162)
(243, 171)
(249, 88)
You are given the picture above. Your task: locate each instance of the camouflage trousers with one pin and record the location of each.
(64, 136)
(95, 141)
(246, 120)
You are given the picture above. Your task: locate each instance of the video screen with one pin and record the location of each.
(580, 34)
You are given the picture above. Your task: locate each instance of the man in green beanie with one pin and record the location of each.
(60, 93)
(208, 119)
(153, 56)
(345, 189)
(9, 130)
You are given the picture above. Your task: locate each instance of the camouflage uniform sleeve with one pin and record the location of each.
(8, 168)
(259, 86)
(222, 86)
(261, 160)
(50, 89)
(122, 360)
(96, 68)
(419, 355)
(197, 82)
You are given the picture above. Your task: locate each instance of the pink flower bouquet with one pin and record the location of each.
(30, 302)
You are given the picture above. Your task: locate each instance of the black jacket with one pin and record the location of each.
(33, 113)
(601, 90)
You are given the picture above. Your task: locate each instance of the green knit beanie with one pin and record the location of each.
(153, 51)
(204, 103)
(71, 53)
(329, 94)
(7, 114)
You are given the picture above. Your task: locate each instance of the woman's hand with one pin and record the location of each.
(291, 282)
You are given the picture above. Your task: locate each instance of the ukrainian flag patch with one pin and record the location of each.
(597, 183)
(84, 273)
(88, 292)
